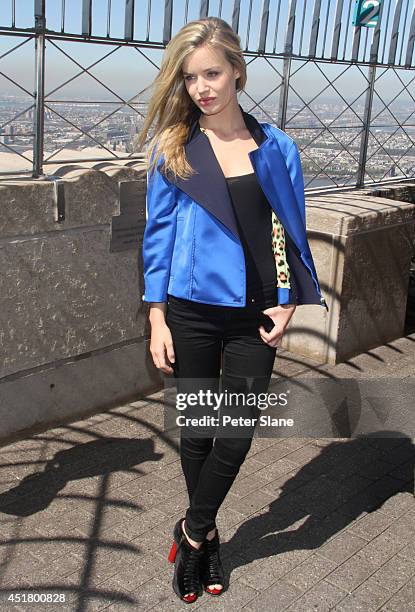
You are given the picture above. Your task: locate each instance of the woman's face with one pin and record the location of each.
(208, 75)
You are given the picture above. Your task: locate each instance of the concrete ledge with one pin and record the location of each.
(362, 246)
(91, 197)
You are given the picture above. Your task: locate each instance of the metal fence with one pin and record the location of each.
(360, 134)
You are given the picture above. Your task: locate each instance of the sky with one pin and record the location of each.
(128, 71)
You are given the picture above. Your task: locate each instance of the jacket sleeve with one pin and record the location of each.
(295, 171)
(159, 236)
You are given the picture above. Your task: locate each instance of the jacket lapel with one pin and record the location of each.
(208, 186)
(276, 184)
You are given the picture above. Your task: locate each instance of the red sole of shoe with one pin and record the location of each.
(172, 553)
(214, 592)
(189, 598)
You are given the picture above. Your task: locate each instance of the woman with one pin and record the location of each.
(226, 261)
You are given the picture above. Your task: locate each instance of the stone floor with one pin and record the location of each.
(87, 510)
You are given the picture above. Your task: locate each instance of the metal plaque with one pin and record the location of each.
(127, 228)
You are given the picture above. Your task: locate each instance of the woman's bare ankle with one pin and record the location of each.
(211, 534)
(192, 542)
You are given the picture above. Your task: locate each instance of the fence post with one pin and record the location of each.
(288, 49)
(285, 87)
(39, 93)
(366, 127)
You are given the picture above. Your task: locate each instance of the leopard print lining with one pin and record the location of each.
(278, 247)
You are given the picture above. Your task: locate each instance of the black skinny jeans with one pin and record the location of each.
(206, 339)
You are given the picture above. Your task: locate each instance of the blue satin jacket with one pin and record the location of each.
(191, 246)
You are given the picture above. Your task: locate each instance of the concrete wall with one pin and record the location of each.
(362, 246)
(71, 319)
(73, 329)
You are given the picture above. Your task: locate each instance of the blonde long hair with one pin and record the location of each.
(170, 106)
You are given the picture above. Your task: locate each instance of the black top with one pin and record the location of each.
(253, 216)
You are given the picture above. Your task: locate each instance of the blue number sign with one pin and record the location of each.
(366, 13)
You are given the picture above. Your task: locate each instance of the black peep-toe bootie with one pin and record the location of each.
(211, 569)
(186, 580)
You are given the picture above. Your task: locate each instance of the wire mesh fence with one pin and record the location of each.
(340, 83)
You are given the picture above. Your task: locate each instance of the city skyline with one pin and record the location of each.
(330, 152)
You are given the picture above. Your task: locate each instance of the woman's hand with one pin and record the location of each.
(281, 316)
(161, 341)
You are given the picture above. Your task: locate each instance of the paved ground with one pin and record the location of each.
(87, 510)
